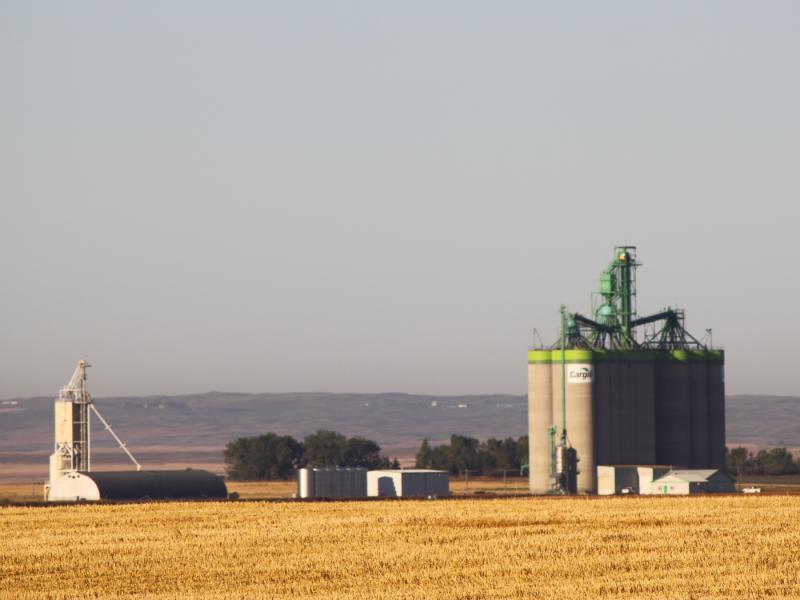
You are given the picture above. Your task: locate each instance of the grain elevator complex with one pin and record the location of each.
(622, 389)
(71, 475)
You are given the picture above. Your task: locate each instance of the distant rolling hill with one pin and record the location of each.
(170, 431)
(763, 420)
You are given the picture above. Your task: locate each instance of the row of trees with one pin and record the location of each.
(775, 461)
(273, 456)
(479, 458)
(492, 456)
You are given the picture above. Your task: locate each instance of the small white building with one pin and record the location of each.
(693, 481)
(655, 479)
(420, 483)
(646, 476)
(627, 479)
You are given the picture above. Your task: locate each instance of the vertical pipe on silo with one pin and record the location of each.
(540, 419)
(698, 373)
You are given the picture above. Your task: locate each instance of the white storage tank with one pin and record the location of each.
(408, 483)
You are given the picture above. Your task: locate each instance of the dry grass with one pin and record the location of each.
(22, 492)
(663, 547)
(257, 490)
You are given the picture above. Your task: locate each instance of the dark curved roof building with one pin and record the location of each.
(189, 484)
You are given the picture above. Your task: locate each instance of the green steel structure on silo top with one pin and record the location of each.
(635, 390)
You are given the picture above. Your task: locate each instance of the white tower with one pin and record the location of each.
(73, 438)
(73, 427)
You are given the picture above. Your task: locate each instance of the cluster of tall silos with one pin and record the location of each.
(626, 399)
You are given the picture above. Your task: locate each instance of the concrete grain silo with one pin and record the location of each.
(619, 389)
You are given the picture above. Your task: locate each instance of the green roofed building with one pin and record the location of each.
(635, 391)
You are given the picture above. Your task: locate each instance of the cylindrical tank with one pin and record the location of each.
(540, 418)
(603, 392)
(716, 409)
(619, 407)
(698, 375)
(673, 410)
(305, 483)
(580, 415)
(639, 446)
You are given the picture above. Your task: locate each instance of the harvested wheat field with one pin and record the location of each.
(708, 547)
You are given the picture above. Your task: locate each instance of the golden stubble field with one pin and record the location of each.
(658, 547)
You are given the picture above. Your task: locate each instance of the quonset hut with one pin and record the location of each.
(189, 484)
(622, 389)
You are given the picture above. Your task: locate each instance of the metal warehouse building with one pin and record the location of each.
(344, 482)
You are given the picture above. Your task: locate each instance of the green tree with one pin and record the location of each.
(463, 454)
(522, 452)
(284, 454)
(332, 449)
(440, 457)
(739, 461)
(499, 455)
(324, 449)
(424, 455)
(267, 456)
(361, 452)
(776, 461)
(239, 463)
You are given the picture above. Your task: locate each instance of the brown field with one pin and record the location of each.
(639, 547)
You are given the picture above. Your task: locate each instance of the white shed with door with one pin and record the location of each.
(420, 483)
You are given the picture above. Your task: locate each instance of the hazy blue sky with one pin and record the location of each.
(365, 196)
